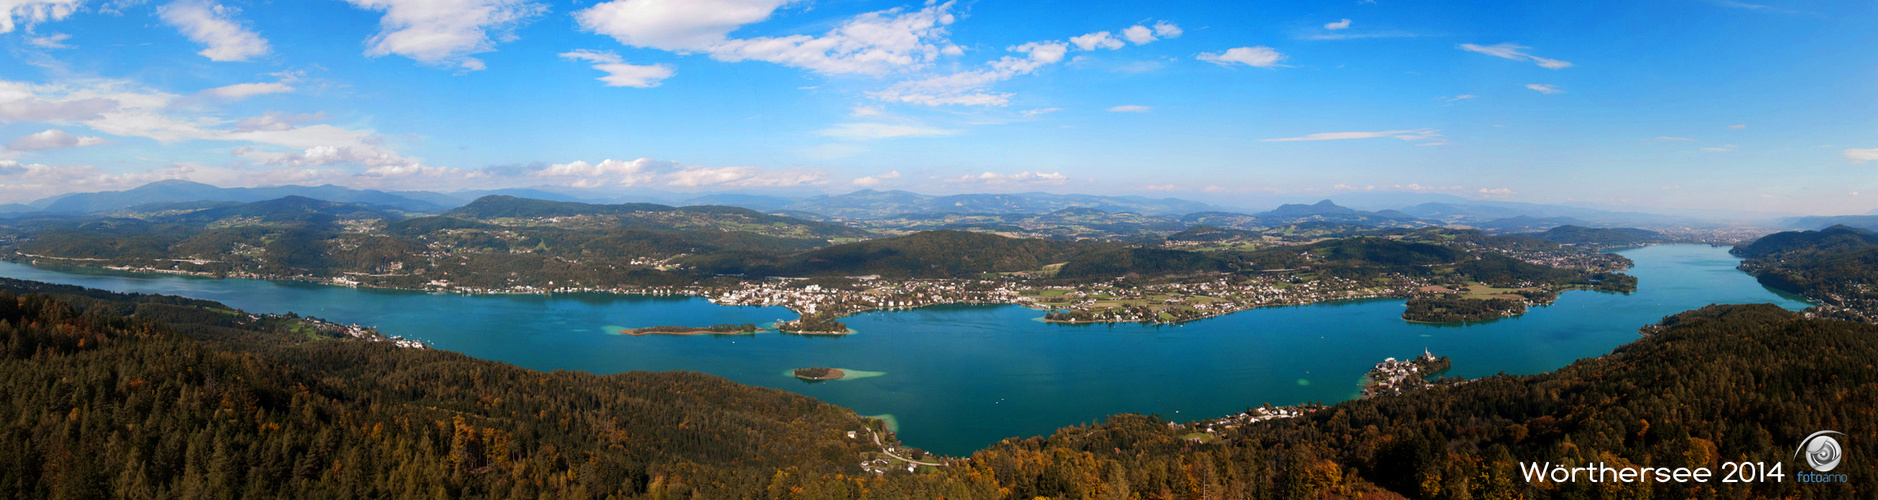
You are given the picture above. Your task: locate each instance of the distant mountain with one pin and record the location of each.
(501, 206)
(185, 191)
(1327, 211)
(1454, 212)
(1825, 221)
(1528, 224)
(750, 201)
(871, 204)
(289, 209)
(1598, 236)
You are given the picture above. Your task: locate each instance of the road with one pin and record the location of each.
(883, 449)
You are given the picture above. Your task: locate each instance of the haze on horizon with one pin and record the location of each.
(1678, 105)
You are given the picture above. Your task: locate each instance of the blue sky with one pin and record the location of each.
(1670, 104)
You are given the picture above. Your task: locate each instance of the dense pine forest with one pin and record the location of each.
(132, 396)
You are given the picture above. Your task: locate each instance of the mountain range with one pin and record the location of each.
(1362, 208)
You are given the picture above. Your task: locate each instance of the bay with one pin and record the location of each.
(957, 378)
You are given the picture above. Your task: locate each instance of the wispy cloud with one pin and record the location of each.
(1131, 108)
(53, 139)
(997, 179)
(620, 74)
(1257, 57)
(1338, 25)
(1861, 155)
(214, 26)
(1033, 113)
(1515, 52)
(868, 131)
(1721, 149)
(1458, 98)
(1407, 135)
(875, 180)
(1545, 88)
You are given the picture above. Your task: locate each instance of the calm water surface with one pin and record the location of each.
(958, 378)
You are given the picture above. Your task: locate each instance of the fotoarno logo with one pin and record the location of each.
(1822, 452)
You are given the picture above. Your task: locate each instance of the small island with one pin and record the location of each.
(1455, 308)
(1395, 377)
(815, 324)
(819, 373)
(721, 329)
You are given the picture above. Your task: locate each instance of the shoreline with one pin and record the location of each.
(33, 260)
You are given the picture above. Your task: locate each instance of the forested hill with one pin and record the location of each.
(1836, 267)
(187, 399)
(653, 216)
(927, 254)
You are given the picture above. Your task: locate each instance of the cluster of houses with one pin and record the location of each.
(1395, 377)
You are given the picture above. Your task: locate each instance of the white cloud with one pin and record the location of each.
(1457, 98)
(996, 179)
(971, 88)
(1141, 35)
(872, 43)
(1721, 149)
(1515, 52)
(51, 41)
(875, 180)
(445, 32)
(1861, 155)
(34, 11)
(650, 172)
(864, 131)
(1258, 57)
(1130, 108)
(246, 90)
(1033, 113)
(1161, 187)
(865, 111)
(1338, 25)
(1100, 39)
(1407, 135)
(276, 121)
(1166, 29)
(214, 26)
(53, 139)
(620, 74)
(1495, 192)
(1545, 88)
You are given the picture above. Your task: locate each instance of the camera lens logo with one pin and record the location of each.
(1821, 450)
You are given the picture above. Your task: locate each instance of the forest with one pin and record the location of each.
(107, 395)
(1836, 267)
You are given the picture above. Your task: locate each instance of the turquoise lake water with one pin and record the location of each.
(957, 378)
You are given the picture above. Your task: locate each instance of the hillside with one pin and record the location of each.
(1836, 267)
(129, 396)
(933, 254)
(649, 216)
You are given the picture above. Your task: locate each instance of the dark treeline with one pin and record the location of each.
(1449, 308)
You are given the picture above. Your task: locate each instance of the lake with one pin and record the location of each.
(957, 378)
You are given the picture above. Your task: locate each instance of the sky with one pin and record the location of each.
(1770, 105)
